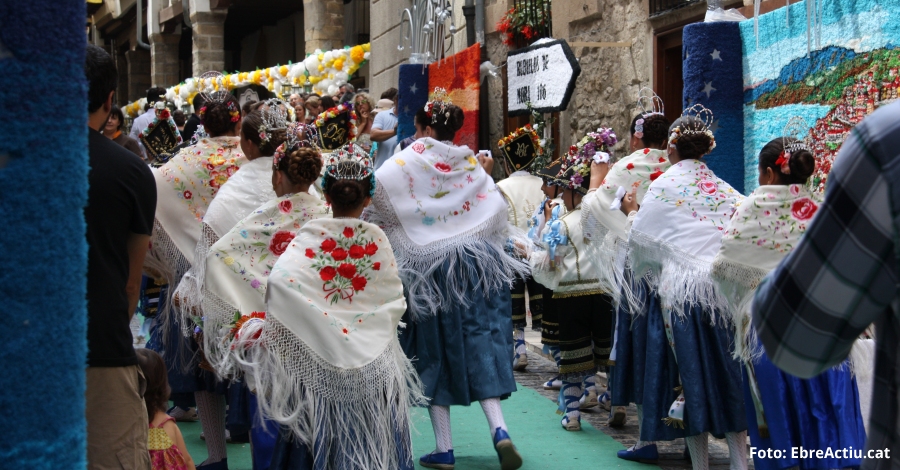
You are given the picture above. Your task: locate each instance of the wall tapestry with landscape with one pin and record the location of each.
(846, 68)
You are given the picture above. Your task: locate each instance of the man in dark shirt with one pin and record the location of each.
(119, 217)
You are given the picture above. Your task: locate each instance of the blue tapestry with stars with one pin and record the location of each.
(713, 77)
(413, 96)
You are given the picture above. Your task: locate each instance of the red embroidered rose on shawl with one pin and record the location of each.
(280, 242)
(629, 166)
(656, 174)
(357, 252)
(285, 206)
(343, 263)
(708, 187)
(339, 254)
(328, 245)
(327, 273)
(443, 167)
(188, 195)
(347, 270)
(803, 208)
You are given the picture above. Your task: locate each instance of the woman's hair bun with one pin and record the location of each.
(302, 165)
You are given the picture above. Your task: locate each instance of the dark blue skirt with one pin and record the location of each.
(464, 354)
(818, 413)
(713, 386)
(627, 382)
(290, 454)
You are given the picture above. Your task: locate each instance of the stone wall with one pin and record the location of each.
(208, 37)
(138, 63)
(164, 59)
(324, 24)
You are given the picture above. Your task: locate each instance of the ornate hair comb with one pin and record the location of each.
(273, 118)
(438, 105)
(212, 87)
(650, 104)
(298, 135)
(795, 130)
(350, 162)
(696, 119)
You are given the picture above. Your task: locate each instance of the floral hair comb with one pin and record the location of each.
(298, 135)
(696, 119)
(793, 141)
(650, 104)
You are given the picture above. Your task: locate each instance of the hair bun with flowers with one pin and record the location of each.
(696, 119)
(438, 105)
(650, 104)
(793, 141)
(594, 147)
(214, 91)
(298, 135)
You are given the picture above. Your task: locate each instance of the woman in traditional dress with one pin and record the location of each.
(325, 360)
(606, 232)
(186, 185)
(675, 236)
(766, 227)
(523, 194)
(585, 308)
(448, 225)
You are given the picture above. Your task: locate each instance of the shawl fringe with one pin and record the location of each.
(420, 265)
(165, 261)
(683, 278)
(353, 416)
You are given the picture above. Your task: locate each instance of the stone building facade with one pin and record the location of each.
(177, 40)
(611, 77)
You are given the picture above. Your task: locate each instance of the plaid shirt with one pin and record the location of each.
(843, 276)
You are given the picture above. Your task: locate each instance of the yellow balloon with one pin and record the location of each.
(339, 64)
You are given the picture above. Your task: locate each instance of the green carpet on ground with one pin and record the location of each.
(534, 428)
(533, 425)
(238, 454)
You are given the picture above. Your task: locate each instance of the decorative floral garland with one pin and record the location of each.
(232, 110)
(238, 321)
(324, 71)
(334, 112)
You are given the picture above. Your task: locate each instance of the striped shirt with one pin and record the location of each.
(843, 276)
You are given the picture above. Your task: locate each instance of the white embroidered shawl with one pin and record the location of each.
(328, 363)
(242, 193)
(766, 226)
(239, 263)
(437, 204)
(677, 233)
(187, 184)
(605, 227)
(185, 187)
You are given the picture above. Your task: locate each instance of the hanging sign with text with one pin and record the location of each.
(542, 75)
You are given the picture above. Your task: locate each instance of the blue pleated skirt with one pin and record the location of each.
(291, 454)
(818, 413)
(464, 354)
(627, 381)
(711, 378)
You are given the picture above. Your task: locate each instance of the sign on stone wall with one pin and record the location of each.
(542, 75)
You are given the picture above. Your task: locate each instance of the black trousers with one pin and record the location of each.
(585, 334)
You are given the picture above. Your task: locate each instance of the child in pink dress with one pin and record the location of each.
(165, 443)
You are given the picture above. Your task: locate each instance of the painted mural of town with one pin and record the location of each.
(854, 84)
